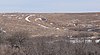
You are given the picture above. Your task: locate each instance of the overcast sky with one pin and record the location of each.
(49, 5)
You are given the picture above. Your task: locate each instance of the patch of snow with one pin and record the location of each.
(27, 18)
(70, 37)
(65, 29)
(8, 15)
(97, 41)
(41, 19)
(12, 15)
(93, 37)
(33, 15)
(88, 41)
(72, 41)
(4, 15)
(89, 25)
(75, 24)
(89, 30)
(19, 18)
(38, 19)
(51, 23)
(22, 15)
(2, 30)
(76, 40)
(43, 26)
(57, 28)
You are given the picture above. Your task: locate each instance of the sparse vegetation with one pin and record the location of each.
(20, 43)
(84, 34)
(54, 40)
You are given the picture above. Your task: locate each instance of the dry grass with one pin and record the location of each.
(16, 35)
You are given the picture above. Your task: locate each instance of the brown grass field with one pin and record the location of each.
(53, 23)
(50, 33)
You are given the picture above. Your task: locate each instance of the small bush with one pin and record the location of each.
(83, 34)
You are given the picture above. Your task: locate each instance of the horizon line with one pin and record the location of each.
(50, 12)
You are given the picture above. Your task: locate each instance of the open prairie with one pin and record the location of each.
(50, 33)
(47, 24)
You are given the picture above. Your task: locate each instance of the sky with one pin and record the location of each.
(51, 6)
